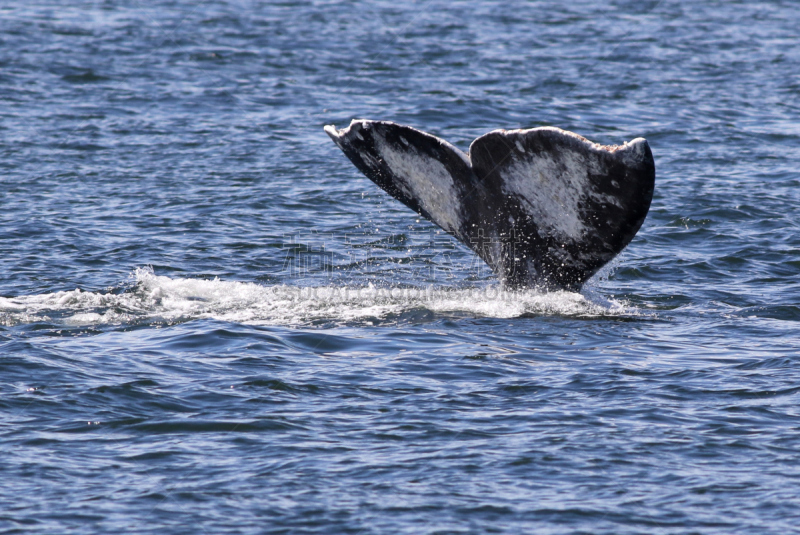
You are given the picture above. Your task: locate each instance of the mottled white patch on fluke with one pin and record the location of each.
(426, 180)
(552, 190)
(417, 175)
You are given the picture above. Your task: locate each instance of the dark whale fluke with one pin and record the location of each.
(544, 207)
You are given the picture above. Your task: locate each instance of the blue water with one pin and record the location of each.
(211, 322)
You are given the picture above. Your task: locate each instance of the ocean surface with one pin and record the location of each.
(211, 322)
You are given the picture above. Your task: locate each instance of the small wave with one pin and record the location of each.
(155, 298)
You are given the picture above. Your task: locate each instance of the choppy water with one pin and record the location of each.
(210, 322)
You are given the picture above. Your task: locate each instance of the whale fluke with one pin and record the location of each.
(544, 208)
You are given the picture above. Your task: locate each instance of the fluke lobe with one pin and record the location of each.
(544, 207)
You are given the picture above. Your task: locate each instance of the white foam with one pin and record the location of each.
(157, 298)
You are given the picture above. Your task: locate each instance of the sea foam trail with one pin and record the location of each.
(156, 298)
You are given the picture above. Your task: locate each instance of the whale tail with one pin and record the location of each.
(543, 207)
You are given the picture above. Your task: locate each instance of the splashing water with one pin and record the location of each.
(155, 298)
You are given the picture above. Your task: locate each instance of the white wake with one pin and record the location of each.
(155, 298)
